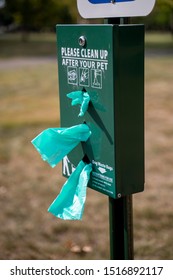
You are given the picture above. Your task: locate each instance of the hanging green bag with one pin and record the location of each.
(55, 143)
(69, 204)
(82, 98)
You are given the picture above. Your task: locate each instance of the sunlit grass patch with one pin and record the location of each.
(37, 44)
(29, 95)
(159, 40)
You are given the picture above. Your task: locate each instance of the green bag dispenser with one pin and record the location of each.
(104, 63)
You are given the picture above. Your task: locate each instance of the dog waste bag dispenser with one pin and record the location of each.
(101, 67)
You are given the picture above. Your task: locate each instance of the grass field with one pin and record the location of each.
(29, 104)
(43, 44)
(37, 45)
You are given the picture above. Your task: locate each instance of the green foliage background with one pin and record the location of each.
(38, 15)
(161, 18)
(41, 15)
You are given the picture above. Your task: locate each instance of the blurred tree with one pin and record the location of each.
(168, 4)
(161, 18)
(37, 15)
(6, 18)
(40, 15)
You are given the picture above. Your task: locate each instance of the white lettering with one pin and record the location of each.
(85, 67)
(70, 62)
(102, 65)
(89, 53)
(103, 54)
(87, 64)
(70, 52)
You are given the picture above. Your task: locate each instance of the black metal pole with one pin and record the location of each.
(121, 210)
(121, 228)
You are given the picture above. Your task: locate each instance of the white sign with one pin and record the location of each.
(114, 8)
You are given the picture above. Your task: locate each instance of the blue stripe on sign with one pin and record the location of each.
(106, 1)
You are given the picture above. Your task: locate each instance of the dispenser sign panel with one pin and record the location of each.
(90, 66)
(116, 8)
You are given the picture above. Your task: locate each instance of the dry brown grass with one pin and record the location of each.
(154, 208)
(29, 104)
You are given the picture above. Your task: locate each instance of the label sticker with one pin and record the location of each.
(102, 176)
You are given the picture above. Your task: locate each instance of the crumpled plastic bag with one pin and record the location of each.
(55, 143)
(69, 204)
(82, 98)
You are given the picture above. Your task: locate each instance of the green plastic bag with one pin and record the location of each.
(55, 143)
(82, 98)
(69, 204)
